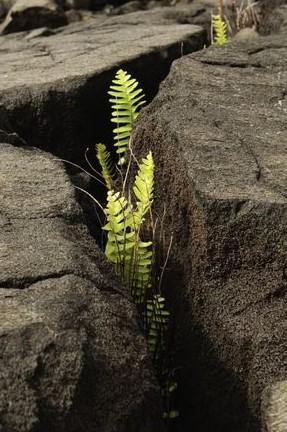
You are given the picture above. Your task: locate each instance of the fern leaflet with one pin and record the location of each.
(104, 159)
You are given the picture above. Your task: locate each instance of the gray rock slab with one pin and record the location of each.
(218, 133)
(62, 79)
(85, 49)
(72, 357)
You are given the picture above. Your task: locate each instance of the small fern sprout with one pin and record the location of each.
(126, 100)
(219, 30)
(156, 323)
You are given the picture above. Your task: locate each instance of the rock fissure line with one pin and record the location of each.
(259, 168)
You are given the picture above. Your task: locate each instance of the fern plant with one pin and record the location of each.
(125, 248)
(130, 230)
(128, 214)
(219, 30)
(126, 100)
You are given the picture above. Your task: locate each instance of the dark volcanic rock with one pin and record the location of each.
(29, 14)
(218, 133)
(62, 80)
(72, 357)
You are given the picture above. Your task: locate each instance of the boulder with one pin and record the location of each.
(72, 356)
(217, 129)
(29, 14)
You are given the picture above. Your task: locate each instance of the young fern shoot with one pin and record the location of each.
(219, 30)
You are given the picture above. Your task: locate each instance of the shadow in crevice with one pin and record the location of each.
(210, 396)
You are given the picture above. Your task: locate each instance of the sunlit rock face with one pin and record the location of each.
(219, 143)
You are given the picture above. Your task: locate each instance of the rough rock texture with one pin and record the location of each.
(218, 133)
(72, 357)
(274, 407)
(29, 14)
(53, 89)
(274, 16)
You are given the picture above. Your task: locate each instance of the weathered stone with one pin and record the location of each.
(274, 407)
(53, 276)
(274, 16)
(72, 357)
(247, 34)
(29, 14)
(78, 4)
(217, 130)
(62, 80)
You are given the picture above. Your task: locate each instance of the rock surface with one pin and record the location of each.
(217, 129)
(62, 79)
(72, 357)
(274, 407)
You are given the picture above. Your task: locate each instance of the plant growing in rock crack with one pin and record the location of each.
(131, 228)
(218, 30)
(230, 20)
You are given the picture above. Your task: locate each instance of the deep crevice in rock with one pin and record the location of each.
(66, 130)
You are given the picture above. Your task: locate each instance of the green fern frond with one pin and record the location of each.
(143, 189)
(156, 324)
(104, 159)
(126, 101)
(219, 30)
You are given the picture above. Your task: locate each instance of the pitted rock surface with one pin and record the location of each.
(217, 130)
(72, 357)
